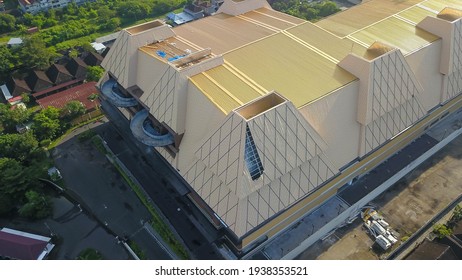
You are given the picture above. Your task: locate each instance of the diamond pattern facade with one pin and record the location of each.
(116, 61)
(394, 95)
(292, 158)
(160, 99)
(212, 190)
(284, 140)
(454, 79)
(223, 151)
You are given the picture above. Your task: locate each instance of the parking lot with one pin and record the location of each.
(93, 180)
(406, 206)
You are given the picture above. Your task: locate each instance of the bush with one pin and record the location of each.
(45, 143)
(442, 230)
(84, 136)
(90, 254)
(37, 207)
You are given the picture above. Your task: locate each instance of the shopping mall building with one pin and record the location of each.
(266, 115)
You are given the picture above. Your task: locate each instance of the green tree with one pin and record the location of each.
(72, 8)
(34, 53)
(73, 53)
(90, 254)
(37, 206)
(94, 73)
(328, 8)
(14, 180)
(7, 23)
(105, 14)
(46, 123)
(6, 59)
(442, 230)
(9, 118)
(134, 10)
(457, 214)
(25, 98)
(18, 146)
(74, 109)
(113, 23)
(86, 46)
(6, 204)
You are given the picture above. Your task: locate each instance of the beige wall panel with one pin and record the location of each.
(361, 69)
(160, 97)
(234, 8)
(443, 29)
(275, 132)
(453, 85)
(334, 118)
(181, 91)
(457, 46)
(116, 59)
(201, 117)
(150, 70)
(223, 153)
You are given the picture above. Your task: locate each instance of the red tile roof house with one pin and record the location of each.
(80, 93)
(19, 245)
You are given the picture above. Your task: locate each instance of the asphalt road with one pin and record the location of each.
(158, 180)
(102, 190)
(75, 232)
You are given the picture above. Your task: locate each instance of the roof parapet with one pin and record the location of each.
(260, 105)
(443, 26)
(150, 32)
(239, 7)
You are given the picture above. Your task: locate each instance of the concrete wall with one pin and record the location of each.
(149, 70)
(425, 65)
(202, 117)
(334, 118)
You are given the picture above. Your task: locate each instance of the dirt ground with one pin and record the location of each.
(406, 206)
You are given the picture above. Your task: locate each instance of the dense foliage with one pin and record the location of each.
(94, 73)
(73, 109)
(74, 21)
(23, 160)
(69, 27)
(33, 54)
(312, 10)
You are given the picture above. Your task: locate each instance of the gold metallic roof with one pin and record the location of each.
(265, 50)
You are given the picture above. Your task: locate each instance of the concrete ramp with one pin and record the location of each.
(112, 93)
(146, 134)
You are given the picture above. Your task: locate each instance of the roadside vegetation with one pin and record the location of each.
(64, 31)
(24, 159)
(90, 254)
(443, 230)
(309, 10)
